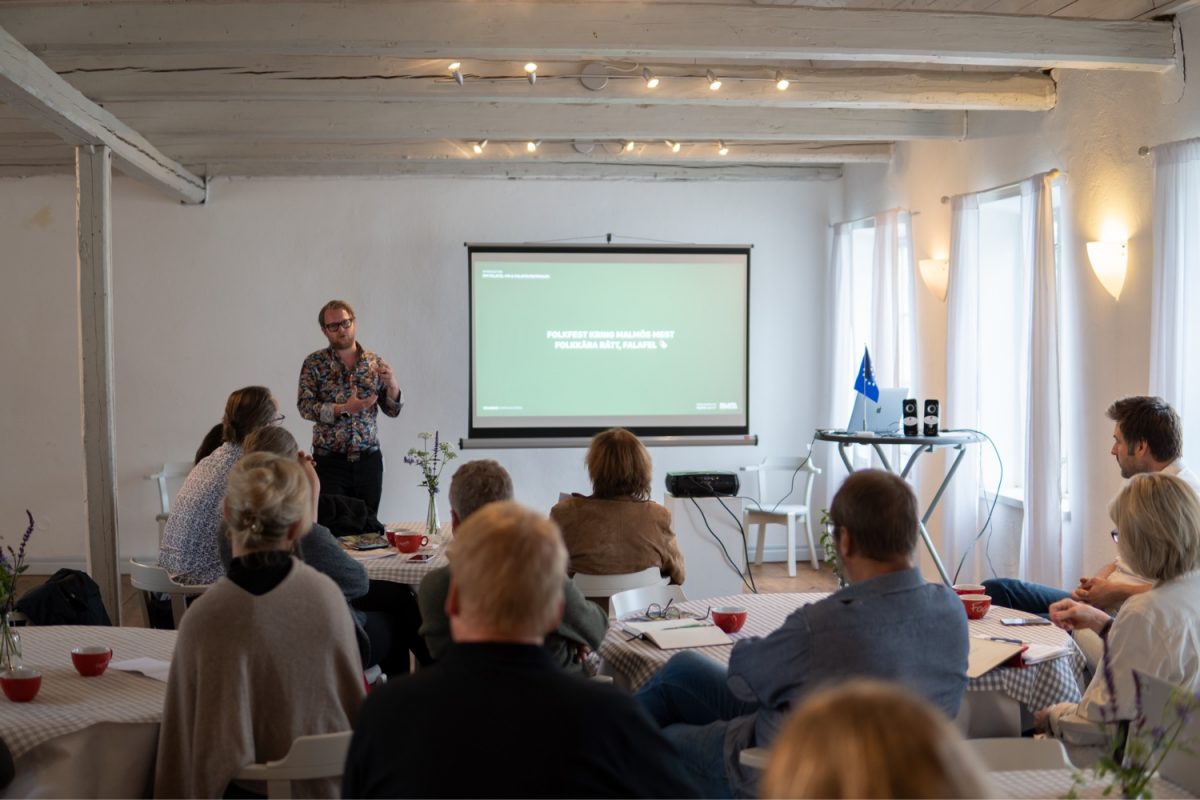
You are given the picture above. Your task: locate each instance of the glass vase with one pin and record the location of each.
(10, 645)
(432, 524)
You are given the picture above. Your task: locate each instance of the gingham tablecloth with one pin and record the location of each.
(396, 567)
(1033, 784)
(1038, 685)
(68, 702)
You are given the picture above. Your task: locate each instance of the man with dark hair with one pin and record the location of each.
(889, 623)
(496, 717)
(583, 624)
(1147, 437)
(342, 389)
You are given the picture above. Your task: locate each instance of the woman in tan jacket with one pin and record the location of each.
(618, 528)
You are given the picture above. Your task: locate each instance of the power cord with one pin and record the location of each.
(987, 522)
(747, 576)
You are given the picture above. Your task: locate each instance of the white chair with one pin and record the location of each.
(784, 513)
(171, 471)
(602, 587)
(319, 756)
(639, 599)
(148, 576)
(1160, 705)
(1017, 753)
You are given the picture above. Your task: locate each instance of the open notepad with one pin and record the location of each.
(987, 654)
(673, 634)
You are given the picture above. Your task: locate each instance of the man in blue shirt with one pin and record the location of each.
(889, 623)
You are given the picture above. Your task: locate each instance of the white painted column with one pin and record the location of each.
(93, 183)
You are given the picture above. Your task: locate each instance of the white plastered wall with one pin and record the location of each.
(212, 298)
(1093, 135)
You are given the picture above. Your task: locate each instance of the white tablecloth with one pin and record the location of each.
(1034, 784)
(396, 567)
(86, 736)
(1037, 686)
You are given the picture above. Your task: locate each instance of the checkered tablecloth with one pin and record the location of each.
(68, 702)
(396, 567)
(1033, 784)
(633, 662)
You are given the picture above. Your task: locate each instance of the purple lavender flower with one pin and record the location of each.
(1139, 712)
(1109, 712)
(25, 538)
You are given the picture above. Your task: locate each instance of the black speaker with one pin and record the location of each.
(911, 424)
(931, 417)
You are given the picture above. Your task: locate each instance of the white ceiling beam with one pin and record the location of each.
(390, 122)
(1170, 8)
(121, 79)
(521, 30)
(657, 171)
(30, 87)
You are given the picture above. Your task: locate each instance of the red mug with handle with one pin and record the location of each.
(409, 542)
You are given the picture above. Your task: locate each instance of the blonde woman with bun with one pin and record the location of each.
(871, 739)
(618, 528)
(1157, 631)
(266, 655)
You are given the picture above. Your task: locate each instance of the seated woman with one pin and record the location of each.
(266, 655)
(191, 537)
(618, 529)
(385, 613)
(871, 739)
(1158, 632)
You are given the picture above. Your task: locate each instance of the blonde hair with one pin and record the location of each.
(870, 739)
(619, 465)
(509, 564)
(1158, 522)
(272, 439)
(266, 494)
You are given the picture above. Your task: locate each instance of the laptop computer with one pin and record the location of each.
(881, 417)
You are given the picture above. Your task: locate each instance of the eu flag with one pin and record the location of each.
(866, 379)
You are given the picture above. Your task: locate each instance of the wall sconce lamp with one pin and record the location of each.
(935, 272)
(1110, 259)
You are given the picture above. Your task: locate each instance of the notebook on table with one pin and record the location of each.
(675, 634)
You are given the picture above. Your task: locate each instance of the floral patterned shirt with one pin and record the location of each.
(325, 382)
(190, 550)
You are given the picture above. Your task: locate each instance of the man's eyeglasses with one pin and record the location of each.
(278, 419)
(344, 325)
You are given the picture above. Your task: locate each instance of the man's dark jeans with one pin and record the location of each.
(362, 478)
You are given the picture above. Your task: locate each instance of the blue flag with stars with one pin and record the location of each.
(866, 379)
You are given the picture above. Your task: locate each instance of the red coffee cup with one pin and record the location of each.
(92, 660)
(729, 618)
(976, 605)
(408, 542)
(969, 588)
(21, 684)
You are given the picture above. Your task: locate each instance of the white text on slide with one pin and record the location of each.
(646, 339)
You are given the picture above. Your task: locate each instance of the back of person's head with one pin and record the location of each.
(272, 439)
(1158, 525)
(265, 495)
(509, 563)
(619, 465)
(477, 483)
(246, 411)
(1150, 420)
(870, 739)
(879, 510)
(212, 440)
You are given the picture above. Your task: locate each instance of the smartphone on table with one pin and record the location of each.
(1024, 621)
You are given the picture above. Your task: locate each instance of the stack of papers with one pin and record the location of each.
(674, 634)
(1037, 653)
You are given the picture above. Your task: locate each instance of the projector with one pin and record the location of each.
(702, 484)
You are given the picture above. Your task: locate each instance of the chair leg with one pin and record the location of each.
(178, 606)
(762, 537)
(812, 542)
(791, 547)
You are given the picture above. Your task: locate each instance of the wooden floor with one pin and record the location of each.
(770, 577)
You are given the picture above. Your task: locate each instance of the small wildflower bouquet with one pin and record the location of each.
(431, 460)
(12, 564)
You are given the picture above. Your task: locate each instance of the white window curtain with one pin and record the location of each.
(1175, 319)
(1042, 545)
(887, 293)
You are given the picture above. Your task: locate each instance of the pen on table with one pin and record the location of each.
(689, 625)
(1002, 639)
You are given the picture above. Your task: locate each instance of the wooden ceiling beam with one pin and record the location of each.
(589, 29)
(34, 90)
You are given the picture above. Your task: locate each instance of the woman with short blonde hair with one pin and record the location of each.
(618, 528)
(1156, 632)
(871, 739)
(265, 655)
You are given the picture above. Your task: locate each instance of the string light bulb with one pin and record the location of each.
(456, 70)
(781, 83)
(722, 148)
(478, 146)
(714, 82)
(532, 145)
(531, 72)
(674, 146)
(649, 77)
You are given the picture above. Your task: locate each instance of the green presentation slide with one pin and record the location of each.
(644, 340)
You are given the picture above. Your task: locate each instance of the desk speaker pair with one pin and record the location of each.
(911, 427)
